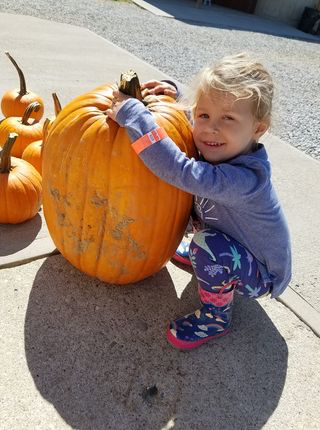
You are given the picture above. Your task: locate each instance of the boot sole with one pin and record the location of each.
(182, 260)
(184, 344)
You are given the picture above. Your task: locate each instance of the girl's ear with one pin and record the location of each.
(260, 128)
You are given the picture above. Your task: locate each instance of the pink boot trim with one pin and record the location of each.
(184, 344)
(218, 299)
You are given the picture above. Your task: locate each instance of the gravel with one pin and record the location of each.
(180, 49)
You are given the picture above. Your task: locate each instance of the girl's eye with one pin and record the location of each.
(204, 115)
(228, 118)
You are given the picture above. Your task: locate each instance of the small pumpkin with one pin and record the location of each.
(28, 130)
(107, 213)
(20, 187)
(33, 152)
(14, 102)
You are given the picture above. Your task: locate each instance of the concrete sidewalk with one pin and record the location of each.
(77, 353)
(222, 17)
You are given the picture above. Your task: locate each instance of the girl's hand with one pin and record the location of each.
(119, 99)
(157, 88)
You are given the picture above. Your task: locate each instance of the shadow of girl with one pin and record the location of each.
(99, 354)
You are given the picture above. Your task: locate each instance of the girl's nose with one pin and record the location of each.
(213, 126)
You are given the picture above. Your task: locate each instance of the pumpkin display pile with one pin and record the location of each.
(24, 135)
(106, 212)
(20, 182)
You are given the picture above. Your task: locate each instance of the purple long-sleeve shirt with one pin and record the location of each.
(236, 197)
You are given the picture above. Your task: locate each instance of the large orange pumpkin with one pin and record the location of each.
(14, 102)
(20, 187)
(107, 213)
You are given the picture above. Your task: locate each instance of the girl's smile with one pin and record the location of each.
(213, 144)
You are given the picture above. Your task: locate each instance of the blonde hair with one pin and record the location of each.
(239, 75)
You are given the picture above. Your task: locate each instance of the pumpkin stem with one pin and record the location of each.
(35, 106)
(45, 130)
(57, 104)
(23, 87)
(130, 85)
(5, 154)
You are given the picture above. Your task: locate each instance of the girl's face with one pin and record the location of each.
(225, 127)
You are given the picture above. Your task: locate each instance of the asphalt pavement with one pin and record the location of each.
(222, 17)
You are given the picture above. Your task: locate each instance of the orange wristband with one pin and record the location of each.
(148, 139)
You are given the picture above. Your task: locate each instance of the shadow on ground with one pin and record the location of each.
(26, 231)
(98, 353)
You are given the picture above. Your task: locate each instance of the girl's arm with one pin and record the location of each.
(227, 183)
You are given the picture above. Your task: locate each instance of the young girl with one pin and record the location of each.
(243, 244)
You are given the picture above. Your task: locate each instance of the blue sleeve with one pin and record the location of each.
(225, 183)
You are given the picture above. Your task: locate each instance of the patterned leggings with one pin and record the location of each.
(219, 260)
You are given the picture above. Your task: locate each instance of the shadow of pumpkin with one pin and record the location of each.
(15, 237)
